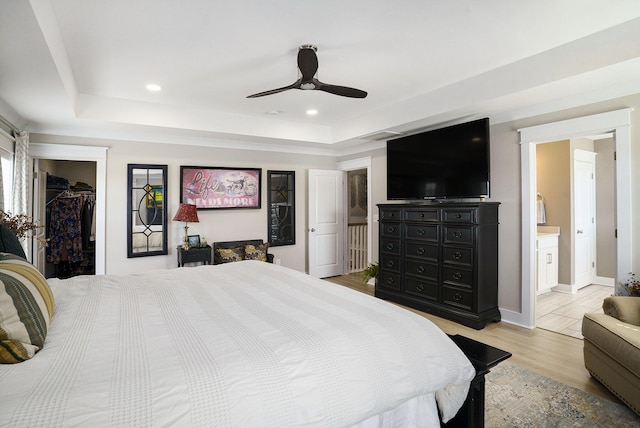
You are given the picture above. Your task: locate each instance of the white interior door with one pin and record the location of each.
(39, 216)
(584, 217)
(326, 231)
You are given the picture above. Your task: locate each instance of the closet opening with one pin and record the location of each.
(66, 199)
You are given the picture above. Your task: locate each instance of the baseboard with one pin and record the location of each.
(603, 280)
(565, 288)
(515, 318)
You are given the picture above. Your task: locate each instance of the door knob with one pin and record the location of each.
(580, 231)
(312, 229)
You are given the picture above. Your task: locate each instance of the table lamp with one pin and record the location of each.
(189, 214)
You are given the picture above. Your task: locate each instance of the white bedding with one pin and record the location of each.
(243, 344)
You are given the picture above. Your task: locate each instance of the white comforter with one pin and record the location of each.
(243, 344)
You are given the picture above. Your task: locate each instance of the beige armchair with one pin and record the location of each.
(612, 347)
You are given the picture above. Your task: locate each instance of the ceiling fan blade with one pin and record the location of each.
(307, 63)
(275, 91)
(343, 91)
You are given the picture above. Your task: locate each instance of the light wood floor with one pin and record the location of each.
(547, 353)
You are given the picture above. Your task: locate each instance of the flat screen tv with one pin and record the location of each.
(445, 163)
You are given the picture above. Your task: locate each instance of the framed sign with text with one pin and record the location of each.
(219, 187)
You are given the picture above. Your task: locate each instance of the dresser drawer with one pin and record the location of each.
(390, 246)
(422, 289)
(459, 298)
(388, 280)
(453, 275)
(421, 214)
(458, 235)
(390, 263)
(457, 255)
(422, 269)
(390, 214)
(421, 231)
(390, 230)
(421, 250)
(458, 215)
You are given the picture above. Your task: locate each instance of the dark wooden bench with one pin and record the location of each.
(233, 244)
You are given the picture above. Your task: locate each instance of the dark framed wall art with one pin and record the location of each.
(219, 187)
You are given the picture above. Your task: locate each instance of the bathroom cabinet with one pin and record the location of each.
(547, 261)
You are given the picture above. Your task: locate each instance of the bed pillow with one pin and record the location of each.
(9, 243)
(228, 255)
(26, 309)
(256, 252)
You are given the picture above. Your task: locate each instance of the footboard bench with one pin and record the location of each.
(237, 244)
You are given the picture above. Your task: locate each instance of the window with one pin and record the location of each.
(6, 158)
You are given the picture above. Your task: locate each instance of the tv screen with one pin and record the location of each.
(445, 163)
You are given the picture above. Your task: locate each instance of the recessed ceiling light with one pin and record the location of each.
(154, 87)
(312, 112)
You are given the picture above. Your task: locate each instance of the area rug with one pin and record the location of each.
(517, 397)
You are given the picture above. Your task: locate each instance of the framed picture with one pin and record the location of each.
(194, 240)
(220, 188)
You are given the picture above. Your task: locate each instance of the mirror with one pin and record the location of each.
(146, 210)
(282, 207)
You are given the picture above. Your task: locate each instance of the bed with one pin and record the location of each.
(245, 344)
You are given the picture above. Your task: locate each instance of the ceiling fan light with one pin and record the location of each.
(307, 86)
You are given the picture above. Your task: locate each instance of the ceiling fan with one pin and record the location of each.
(308, 67)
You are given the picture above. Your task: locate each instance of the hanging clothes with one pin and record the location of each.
(65, 230)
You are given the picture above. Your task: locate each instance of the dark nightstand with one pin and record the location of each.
(195, 254)
(483, 357)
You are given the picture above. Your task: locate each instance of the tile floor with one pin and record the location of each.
(562, 312)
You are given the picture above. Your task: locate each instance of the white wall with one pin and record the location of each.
(215, 225)
(506, 189)
(228, 225)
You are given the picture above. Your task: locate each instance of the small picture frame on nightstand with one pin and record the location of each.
(194, 241)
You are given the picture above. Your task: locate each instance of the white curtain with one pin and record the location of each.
(1, 188)
(20, 173)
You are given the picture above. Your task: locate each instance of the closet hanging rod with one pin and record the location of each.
(69, 194)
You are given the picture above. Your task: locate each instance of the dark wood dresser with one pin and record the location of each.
(441, 258)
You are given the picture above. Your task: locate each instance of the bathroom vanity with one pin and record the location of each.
(547, 258)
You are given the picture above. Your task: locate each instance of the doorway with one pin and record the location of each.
(78, 153)
(359, 209)
(575, 182)
(64, 203)
(616, 122)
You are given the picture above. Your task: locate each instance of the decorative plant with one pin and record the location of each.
(371, 271)
(19, 224)
(632, 286)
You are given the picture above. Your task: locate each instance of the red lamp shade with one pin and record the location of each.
(187, 213)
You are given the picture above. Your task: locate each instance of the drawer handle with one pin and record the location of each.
(420, 287)
(391, 229)
(390, 246)
(421, 232)
(457, 275)
(458, 215)
(457, 297)
(457, 234)
(390, 280)
(422, 215)
(457, 255)
(420, 251)
(420, 269)
(390, 263)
